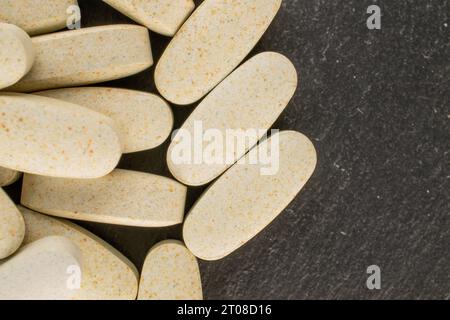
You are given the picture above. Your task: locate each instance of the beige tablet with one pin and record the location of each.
(8, 176)
(12, 226)
(170, 272)
(161, 16)
(86, 56)
(107, 274)
(50, 137)
(123, 197)
(209, 45)
(247, 198)
(144, 120)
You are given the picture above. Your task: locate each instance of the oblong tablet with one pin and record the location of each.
(41, 271)
(45, 136)
(144, 120)
(36, 17)
(248, 101)
(123, 197)
(209, 45)
(8, 176)
(85, 56)
(16, 54)
(12, 226)
(107, 274)
(161, 16)
(170, 272)
(249, 196)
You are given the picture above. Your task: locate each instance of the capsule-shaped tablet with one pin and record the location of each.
(86, 56)
(123, 197)
(8, 176)
(41, 271)
(211, 43)
(170, 272)
(107, 274)
(249, 196)
(248, 101)
(12, 226)
(36, 17)
(49, 137)
(144, 120)
(161, 16)
(16, 54)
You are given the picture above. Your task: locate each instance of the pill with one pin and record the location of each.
(209, 45)
(123, 197)
(36, 17)
(170, 272)
(248, 102)
(54, 138)
(8, 176)
(107, 274)
(86, 56)
(16, 54)
(144, 120)
(161, 16)
(41, 271)
(246, 199)
(12, 226)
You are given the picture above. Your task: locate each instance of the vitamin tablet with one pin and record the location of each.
(50, 137)
(161, 16)
(209, 45)
(144, 120)
(244, 106)
(8, 176)
(170, 272)
(16, 54)
(41, 271)
(107, 274)
(246, 199)
(86, 56)
(12, 226)
(123, 197)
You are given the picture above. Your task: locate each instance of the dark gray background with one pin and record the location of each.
(376, 106)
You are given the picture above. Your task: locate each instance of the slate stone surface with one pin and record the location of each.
(376, 105)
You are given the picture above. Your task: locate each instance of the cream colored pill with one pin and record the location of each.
(107, 274)
(144, 120)
(85, 56)
(16, 54)
(212, 42)
(50, 137)
(8, 176)
(123, 197)
(36, 17)
(248, 101)
(161, 16)
(246, 198)
(12, 226)
(41, 271)
(170, 272)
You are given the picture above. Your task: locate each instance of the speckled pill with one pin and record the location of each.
(107, 274)
(170, 272)
(161, 16)
(144, 120)
(86, 56)
(50, 137)
(243, 201)
(41, 271)
(34, 16)
(250, 99)
(8, 176)
(12, 226)
(123, 197)
(16, 54)
(209, 45)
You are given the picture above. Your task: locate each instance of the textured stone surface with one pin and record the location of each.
(376, 106)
